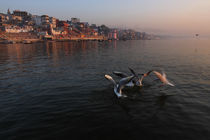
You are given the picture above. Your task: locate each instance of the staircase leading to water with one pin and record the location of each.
(3, 37)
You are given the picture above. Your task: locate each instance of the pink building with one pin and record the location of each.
(113, 35)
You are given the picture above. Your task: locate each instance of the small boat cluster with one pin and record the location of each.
(134, 79)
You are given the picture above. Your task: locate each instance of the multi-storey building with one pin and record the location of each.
(75, 20)
(37, 20)
(22, 14)
(53, 22)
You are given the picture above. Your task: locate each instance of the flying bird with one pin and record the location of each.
(162, 78)
(119, 86)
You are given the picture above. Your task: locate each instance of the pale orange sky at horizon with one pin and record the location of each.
(186, 20)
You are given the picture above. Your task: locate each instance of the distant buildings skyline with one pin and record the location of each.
(185, 17)
(22, 26)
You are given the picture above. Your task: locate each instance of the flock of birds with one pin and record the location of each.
(134, 80)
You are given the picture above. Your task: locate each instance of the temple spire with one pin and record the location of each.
(8, 12)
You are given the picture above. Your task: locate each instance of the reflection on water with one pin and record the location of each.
(54, 49)
(57, 90)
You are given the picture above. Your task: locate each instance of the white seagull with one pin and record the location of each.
(162, 78)
(119, 86)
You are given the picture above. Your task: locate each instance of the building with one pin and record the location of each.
(45, 19)
(56, 31)
(53, 22)
(63, 24)
(22, 14)
(4, 17)
(103, 30)
(86, 24)
(17, 29)
(45, 22)
(8, 12)
(17, 18)
(113, 35)
(81, 25)
(75, 20)
(93, 26)
(1, 21)
(37, 20)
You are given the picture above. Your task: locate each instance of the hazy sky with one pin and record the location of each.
(184, 17)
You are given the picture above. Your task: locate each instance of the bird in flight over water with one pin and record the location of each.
(120, 85)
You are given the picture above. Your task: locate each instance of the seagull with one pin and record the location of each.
(162, 78)
(138, 80)
(119, 86)
(123, 75)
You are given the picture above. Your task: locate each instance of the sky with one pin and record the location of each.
(165, 17)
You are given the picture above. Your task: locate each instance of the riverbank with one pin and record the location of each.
(28, 41)
(11, 38)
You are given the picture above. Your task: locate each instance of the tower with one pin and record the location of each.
(8, 12)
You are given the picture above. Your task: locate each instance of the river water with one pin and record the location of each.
(57, 90)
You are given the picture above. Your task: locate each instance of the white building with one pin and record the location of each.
(56, 32)
(17, 29)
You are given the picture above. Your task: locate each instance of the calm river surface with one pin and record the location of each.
(58, 90)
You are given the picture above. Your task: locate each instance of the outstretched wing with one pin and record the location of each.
(133, 72)
(143, 76)
(159, 75)
(148, 72)
(123, 82)
(120, 74)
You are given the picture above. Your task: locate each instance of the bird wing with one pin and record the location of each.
(169, 83)
(133, 72)
(123, 82)
(164, 74)
(108, 77)
(144, 75)
(159, 75)
(149, 72)
(120, 74)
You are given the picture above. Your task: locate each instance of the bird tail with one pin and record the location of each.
(169, 83)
